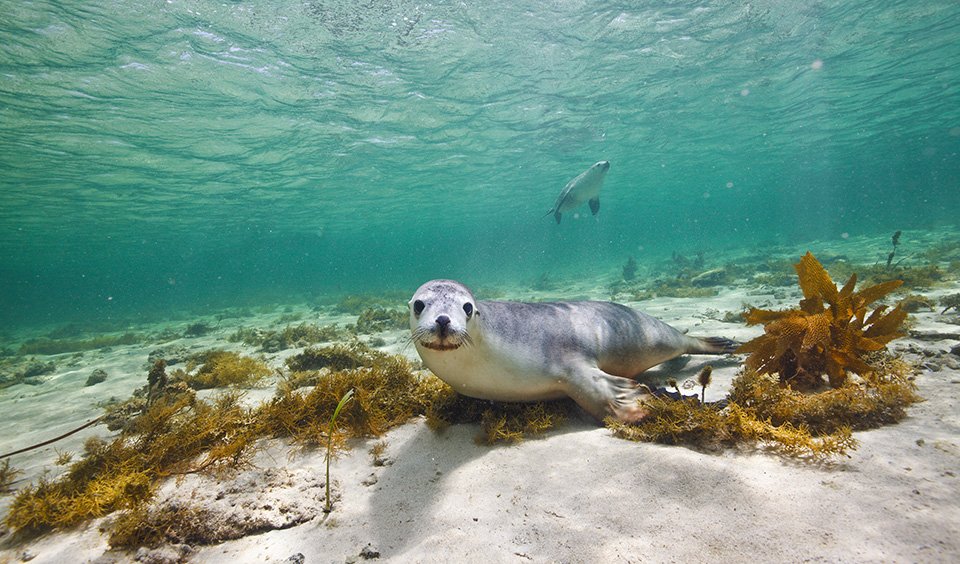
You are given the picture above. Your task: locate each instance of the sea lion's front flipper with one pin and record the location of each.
(603, 395)
(594, 205)
(557, 215)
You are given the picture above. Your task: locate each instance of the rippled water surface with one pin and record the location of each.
(175, 154)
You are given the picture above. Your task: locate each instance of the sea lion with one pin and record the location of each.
(513, 351)
(584, 187)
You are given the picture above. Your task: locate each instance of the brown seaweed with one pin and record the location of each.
(829, 333)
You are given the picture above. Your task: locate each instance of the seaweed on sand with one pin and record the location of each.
(221, 369)
(7, 476)
(386, 393)
(355, 304)
(687, 421)
(499, 421)
(57, 346)
(376, 319)
(290, 336)
(630, 269)
(176, 434)
(328, 502)
(950, 302)
(24, 372)
(833, 333)
(180, 523)
(877, 398)
(764, 412)
(336, 357)
(830, 333)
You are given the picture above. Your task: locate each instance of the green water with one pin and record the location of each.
(167, 155)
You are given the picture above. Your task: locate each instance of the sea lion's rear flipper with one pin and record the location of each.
(557, 215)
(713, 345)
(594, 205)
(604, 395)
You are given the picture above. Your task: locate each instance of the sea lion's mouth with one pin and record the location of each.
(436, 339)
(441, 346)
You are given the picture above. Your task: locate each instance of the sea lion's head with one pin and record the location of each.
(441, 313)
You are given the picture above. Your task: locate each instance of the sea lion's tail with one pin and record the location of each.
(714, 345)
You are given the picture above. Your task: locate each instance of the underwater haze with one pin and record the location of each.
(161, 155)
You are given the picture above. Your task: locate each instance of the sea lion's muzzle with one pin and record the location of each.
(442, 336)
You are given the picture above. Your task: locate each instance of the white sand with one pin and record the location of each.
(577, 495)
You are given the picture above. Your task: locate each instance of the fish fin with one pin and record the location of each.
(595, 205)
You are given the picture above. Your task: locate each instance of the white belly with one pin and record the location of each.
(477, 371)
(585, 189)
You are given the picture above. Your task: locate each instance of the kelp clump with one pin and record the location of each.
(376, 319)
(291, 336)
(355, 304)
(950, 302)
(687, 421)
(176, 434)
(830, 333)
(761, 410)
(48, 346)
(222, 369)
(386, 393)
(180, 523)
(877, 398)
(7, 476)
(336, 357)
(24, 372)
(833, 333)
(499, 421)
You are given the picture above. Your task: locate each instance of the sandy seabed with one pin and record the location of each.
(578, 494)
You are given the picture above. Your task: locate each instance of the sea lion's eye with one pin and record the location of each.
(468, 309)
(418, 307)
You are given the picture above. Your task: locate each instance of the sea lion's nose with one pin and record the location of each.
(443, 323)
